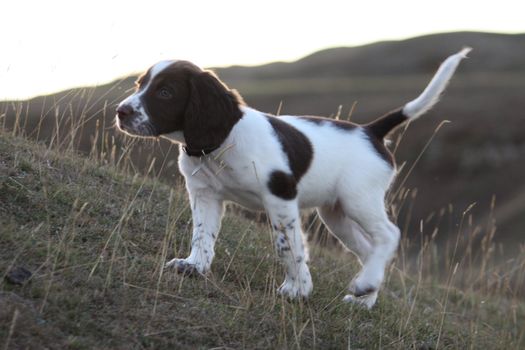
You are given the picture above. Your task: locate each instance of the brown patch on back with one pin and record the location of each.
(295, 144)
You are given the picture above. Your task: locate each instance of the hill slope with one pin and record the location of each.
(96, 239)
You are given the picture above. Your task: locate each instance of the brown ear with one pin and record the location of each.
(211, 113)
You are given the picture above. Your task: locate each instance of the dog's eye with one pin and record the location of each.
(164, 93)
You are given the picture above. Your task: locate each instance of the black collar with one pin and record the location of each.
(198, 152)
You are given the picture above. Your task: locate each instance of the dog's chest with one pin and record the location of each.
(234, 181)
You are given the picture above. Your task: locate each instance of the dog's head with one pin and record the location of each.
(178, 96)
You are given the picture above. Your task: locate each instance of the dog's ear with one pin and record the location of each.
(211, 112)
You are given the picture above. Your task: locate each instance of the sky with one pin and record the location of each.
(48, 46)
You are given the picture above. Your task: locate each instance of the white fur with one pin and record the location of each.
(346, 181)
(437, 85)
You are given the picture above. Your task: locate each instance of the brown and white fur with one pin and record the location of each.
(231, 152)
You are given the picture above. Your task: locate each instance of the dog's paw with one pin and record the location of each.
(186, 268)
(364, 284)
(363, 292)
(367, 301)
(296, 287)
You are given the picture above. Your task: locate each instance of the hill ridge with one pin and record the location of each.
(391, 58)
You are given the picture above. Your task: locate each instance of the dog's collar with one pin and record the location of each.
(198, 152)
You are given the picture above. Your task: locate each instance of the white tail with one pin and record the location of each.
(430, 95)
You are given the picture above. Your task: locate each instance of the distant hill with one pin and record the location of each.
(476, 157)
(492, 52)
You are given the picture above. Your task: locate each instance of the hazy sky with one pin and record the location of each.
(51, 45)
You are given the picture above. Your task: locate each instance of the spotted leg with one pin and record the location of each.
(207, 211)
(290, 246)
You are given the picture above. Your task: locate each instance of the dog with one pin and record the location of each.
(279, 164)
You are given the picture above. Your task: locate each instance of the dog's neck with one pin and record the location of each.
(178, 137)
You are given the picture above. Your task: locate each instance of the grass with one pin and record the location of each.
(95, 232)
(96, 237)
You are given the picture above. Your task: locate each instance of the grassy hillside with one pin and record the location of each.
(95, 240)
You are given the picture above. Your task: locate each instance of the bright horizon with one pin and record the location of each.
(55, 45)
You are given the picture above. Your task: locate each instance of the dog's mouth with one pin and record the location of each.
(133, 127)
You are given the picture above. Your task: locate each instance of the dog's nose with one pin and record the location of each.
(124, 111)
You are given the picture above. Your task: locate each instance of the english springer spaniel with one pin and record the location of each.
(280, 164)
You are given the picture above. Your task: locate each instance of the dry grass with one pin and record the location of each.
(96, 236)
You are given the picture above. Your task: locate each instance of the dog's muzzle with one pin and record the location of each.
(133, 121)
(124, 111)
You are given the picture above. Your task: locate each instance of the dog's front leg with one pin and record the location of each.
(207, 211)
(291, 249)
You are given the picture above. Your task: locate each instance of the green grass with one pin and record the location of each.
(96, 240)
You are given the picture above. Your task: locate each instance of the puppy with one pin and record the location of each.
(280, 164)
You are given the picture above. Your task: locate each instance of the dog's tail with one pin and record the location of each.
(428, 98)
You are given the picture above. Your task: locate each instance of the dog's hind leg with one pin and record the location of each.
(369, 213)
(346, 230)
(354, 238)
